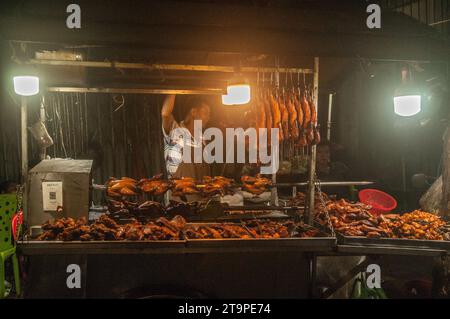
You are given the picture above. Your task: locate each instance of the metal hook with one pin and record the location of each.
(118, 101)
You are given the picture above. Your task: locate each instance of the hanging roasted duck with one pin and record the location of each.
(302, 141)
(269, 118)
(309, 131)
(276, 114)
(313, 126)
(292, 111)
(284, 116)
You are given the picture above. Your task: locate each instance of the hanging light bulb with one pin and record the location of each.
(407, 99)
(238, 92)
(407, 105)
(26, 85)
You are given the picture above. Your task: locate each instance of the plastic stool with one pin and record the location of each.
(8, 206)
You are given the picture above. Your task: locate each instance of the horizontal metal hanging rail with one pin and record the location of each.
(172, 67)
(134, 90)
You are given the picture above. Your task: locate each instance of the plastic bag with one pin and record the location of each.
(41, 135)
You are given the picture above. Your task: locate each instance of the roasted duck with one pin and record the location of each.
(184, 186)
(154, 186)
(215, 185)
(122, 187)
(284, 117)
(255, 185)
(315, 128)
(293, 125)
(276, 115)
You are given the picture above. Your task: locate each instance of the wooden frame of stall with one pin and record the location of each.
(309, 209)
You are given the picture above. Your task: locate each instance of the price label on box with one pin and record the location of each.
(52, 195)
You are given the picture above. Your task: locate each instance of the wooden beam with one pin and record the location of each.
(171, 67)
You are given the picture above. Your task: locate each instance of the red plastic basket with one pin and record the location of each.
(381, 202)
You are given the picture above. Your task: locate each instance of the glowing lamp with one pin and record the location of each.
(407, 99)
(26, 85)
(238, 92)
(407, 105)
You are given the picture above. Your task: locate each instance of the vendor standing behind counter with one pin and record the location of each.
(175, 144)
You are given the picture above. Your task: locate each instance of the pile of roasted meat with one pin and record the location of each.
(209, 186)
(105, 228)
(355, 219)
(123, 209)
(417, 225)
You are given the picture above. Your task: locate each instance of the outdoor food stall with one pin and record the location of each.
(97, 196)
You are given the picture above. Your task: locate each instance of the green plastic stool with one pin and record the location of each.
(8, 206)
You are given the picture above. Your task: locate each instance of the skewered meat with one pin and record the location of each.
(154, 186)
(215, 185)
(122, 187)
(184, 186)
(255, 185)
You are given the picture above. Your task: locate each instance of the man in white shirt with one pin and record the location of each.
(174, 144)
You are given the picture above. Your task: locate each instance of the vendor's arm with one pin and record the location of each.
(166, 112)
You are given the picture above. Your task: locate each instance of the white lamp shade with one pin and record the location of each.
(26, 85)
(226, 100)
(407, 105)
(237, 94)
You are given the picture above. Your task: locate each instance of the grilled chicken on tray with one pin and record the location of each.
(255, 185)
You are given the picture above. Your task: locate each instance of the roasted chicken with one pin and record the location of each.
(184, 186)
(154, 186)
(122, 187)
(255, 185)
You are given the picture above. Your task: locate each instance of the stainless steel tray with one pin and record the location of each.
(311, 242)
(413, 243)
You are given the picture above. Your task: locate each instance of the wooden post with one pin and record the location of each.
(309, 216)
(446, 174)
